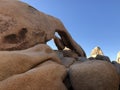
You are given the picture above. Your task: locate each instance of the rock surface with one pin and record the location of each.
(96, 51)
(16, 62)
(40, 68)
(47, 76)
(94, 75)
(32, 65)
(22, 26)
(118, 57)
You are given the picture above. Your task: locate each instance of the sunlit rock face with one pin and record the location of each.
(118, 57)
(22, 26)
(96, 51)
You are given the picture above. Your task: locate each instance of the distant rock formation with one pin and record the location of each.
(118, 57)
(96, 51)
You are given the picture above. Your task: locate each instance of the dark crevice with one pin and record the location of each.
(32, 7)
(22, 33)
(65, 39)
(67, 82)
(16, 38)
(12, 38)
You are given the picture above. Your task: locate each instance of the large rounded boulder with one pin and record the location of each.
(94, 75)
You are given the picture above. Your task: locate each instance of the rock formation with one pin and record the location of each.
(94, 75)
(97, 54)
(117, 67)
(118, 57)
(15, 62)
(46, 76)
(28, 63)
(29, 27)
(96, 51)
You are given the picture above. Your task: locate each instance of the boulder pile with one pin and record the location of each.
(100, 70)
(28, 63)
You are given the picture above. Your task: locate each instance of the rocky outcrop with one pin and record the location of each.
(82, 71)
(97, 54)
(96, 51)
(29, 27)
(40, 68)
(46, 76)
(118, 57)
(100, 57)
(28, 63)
(16, 62)
(35, 68)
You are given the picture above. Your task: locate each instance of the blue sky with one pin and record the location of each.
(91, 23)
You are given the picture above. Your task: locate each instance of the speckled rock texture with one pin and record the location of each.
(94, 75)
(22, 26)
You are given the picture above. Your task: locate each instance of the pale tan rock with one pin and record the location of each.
(66, 48)
(97, 54)
(118, 57)
(96, 51)
(22, 26)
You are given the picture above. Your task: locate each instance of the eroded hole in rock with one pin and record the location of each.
(52, 44)
(56, 34)
(22, 33)
(12, 38)
(58, 41)
(15, 38)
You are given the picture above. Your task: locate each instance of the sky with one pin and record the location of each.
(91, 23)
